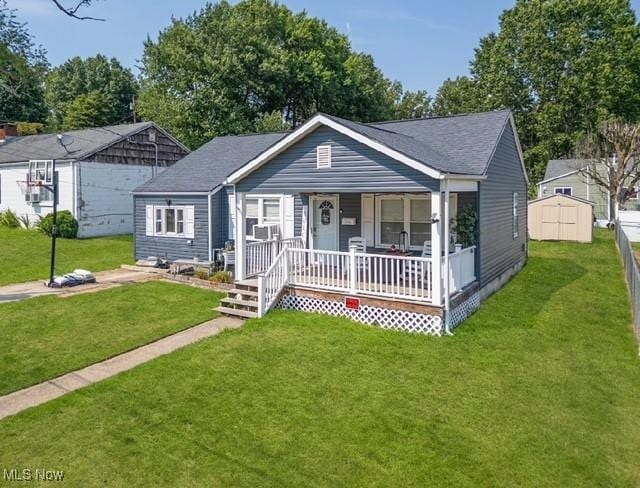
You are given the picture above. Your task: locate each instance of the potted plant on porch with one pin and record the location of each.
(465, 228)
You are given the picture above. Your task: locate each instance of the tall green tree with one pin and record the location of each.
(22, 69)
(562, 66)
(457, 96)
(413, 105)
(86, 81)
(227, 68)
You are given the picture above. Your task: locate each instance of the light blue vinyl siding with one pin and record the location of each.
(172, 247)
(355, 168)
(498, 250)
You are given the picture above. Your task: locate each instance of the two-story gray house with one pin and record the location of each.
(405, 224)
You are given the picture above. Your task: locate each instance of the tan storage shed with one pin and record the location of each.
(561, 218)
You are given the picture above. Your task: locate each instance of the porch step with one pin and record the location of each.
(250, 304)
(236, 312)
(244, 293)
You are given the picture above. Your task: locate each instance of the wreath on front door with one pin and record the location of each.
(325, 212)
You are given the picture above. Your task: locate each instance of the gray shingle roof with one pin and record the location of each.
(85, 142)
(207, 167)
(468, 140)
(461, 144)
(560, 167)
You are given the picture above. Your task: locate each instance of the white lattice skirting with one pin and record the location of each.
(463, 311)
(383, 317)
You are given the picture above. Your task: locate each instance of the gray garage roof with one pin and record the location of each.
(461, 144)
(84, 143)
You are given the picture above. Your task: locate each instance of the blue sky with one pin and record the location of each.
(420, 43)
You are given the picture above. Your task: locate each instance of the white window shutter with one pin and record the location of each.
(189, 221)
(231, 198)
(289, 217)
(305, 224)
(150, 227)
(367, 224)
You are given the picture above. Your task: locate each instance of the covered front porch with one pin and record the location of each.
(377, 245)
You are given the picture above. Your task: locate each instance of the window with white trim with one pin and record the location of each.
(515, 215)
(563, 190)
(172, 221)
(41, 170)
(261, 211)
(323, 156)
(397, 213)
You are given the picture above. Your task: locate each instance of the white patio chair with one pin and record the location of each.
(412, 273)
(359, 242)
(361, 246)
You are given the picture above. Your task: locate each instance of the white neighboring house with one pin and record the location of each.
(97, 170)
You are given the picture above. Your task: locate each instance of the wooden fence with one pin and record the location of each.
(632, 273)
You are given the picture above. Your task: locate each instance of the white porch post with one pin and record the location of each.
(241, 207)
(353, 270)
(446, 273)
(436, 248)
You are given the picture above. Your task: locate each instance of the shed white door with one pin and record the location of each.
(325, 223)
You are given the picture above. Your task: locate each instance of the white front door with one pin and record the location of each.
(325, 222)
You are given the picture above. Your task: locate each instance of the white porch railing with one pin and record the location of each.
(399, 277)
(394, 276)
(260, 254)
(326, 270)
(462, 268)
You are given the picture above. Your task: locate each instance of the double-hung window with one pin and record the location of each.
(397, 213)
(262, 211)
(391, 220)
(170, 221)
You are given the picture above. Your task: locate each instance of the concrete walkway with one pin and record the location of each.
(104, 281)
(35, 395)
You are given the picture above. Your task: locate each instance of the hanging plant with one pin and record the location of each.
(466, 226)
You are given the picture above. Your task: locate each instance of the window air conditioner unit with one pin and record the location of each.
(32, 196)
(264, 232)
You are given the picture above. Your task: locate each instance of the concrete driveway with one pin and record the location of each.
(630, 221)
(104, 280)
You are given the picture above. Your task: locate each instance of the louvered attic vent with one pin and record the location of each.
(323, 156)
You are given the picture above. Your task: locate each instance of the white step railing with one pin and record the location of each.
(271, 283)
(462, 268)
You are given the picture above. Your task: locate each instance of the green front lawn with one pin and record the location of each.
(539, 388)
(25, 254)
(44, 337)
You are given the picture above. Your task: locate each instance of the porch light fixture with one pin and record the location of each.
(434, 218)
(168, 202)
